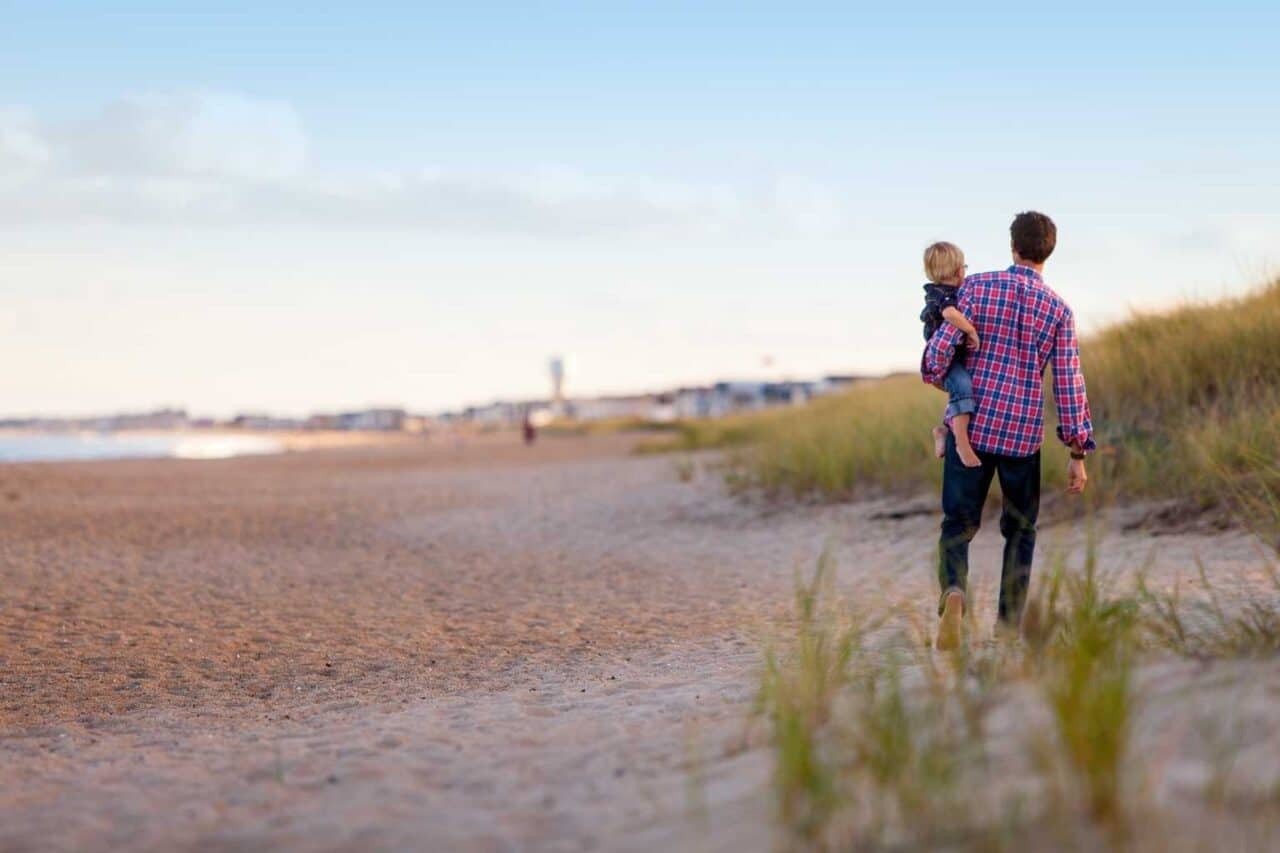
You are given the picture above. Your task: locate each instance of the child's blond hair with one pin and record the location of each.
(943, 260)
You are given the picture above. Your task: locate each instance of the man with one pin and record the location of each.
(1024, 326)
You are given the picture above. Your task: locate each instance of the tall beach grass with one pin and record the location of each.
(881, 743)
(1186, 404)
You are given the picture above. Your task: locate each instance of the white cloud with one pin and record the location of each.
(22, 149)
(214, 159)
(189, 134)
(809, 205)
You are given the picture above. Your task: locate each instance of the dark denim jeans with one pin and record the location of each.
(959, 385)
(964, 492)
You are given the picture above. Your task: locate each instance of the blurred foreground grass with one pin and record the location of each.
(1186, 404)
(1055, 742)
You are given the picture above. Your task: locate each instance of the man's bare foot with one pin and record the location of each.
(967, 456)
(951, 623)
(939, 441)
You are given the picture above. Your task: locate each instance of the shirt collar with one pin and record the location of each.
(1026, 272)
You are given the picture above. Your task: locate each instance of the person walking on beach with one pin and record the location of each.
(1024, 327)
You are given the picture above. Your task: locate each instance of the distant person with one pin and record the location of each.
(529, 430)
(944, 265)
(1024, 327)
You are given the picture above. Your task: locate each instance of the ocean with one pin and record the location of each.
(63, 447)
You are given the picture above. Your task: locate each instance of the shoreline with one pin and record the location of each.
(240, 442)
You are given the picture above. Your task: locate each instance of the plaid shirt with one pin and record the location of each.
(1023, 326)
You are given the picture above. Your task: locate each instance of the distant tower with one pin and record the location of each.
(557, 386)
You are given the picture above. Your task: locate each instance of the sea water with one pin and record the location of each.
(54, 447)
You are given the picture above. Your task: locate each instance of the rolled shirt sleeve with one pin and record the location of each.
(1075, 423)
(940, 351)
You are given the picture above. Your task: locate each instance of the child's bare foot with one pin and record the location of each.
(960, 426)
(939, 441)
(968, 457)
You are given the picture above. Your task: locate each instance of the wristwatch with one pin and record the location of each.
(1076, 454)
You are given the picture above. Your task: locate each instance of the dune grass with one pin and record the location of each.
(1186, 404)
(714, 433)
(881, 743)
(1086, 674)
(1195, 623)
(1191, 398)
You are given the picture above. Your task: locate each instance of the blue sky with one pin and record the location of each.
(270, 206)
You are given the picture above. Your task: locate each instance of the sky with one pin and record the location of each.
(278, 207)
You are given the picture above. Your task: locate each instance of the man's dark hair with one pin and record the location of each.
(1034, 236)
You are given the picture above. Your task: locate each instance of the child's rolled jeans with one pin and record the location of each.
(960, 386)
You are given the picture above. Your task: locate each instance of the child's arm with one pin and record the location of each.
(954, 316)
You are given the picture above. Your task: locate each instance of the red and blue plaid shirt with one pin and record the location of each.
(1023, 327)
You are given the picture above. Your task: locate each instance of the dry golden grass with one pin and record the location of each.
(1191, 398)
(1186, 404)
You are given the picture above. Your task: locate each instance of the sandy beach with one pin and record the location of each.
(428, 645)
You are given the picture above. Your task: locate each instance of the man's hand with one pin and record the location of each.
(1076, 477)
(974, 342)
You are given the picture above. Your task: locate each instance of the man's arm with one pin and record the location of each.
(1075, 423)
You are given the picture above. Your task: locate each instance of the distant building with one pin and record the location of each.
(256, 421)
(696, 402)
(381, 420)
(738, 396)
(557, 387)
(787, 393)
(703, 401)
(650, 407)
(836, 383)
(417, 424)
(540, 415)
(161, 419)
(664, 408)
(321, 422)
(499, 413)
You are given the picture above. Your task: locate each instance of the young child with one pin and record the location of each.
(944, 265)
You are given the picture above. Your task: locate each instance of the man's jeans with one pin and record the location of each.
(959, 385)
(964, 491)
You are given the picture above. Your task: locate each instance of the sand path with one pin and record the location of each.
(437, 647)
